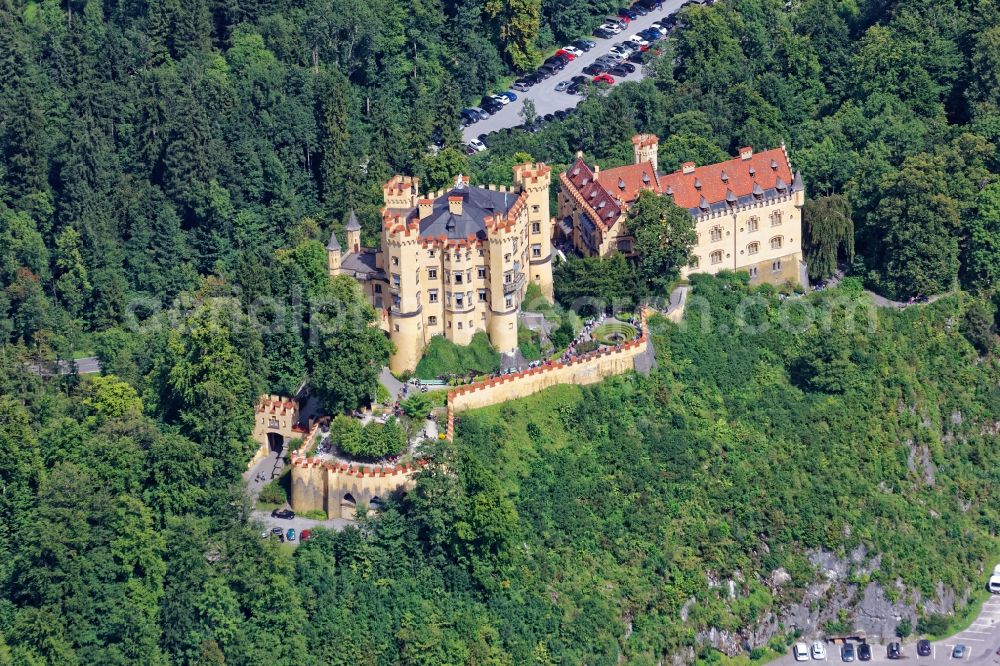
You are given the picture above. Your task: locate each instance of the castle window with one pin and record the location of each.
(694, 261)
(458, 277)
(508, 277)
(753, 271)
(506, 258)
(395, 280)
(535, 208)
(432, 295)
(468, 276)
(432, 273)
(515, 245)
(432, 320)
(460, 326)
(481, 272)
(776, 265)
(481, 253)
(459, 300)
(509, 302)
(395, 261)
(536, 250)
(378, 289)
(536, 228)
(482, 295)
(776, 242)
(752, 224)
(396, 326)
(776, 218)
(753, 248)
(716, 257)
(430, 253)
(716, 233)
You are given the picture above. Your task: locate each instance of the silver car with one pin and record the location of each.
(562, 85)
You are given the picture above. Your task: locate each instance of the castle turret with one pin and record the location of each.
(534, 179)
(333, 255)
(644, 148)
(353, 230)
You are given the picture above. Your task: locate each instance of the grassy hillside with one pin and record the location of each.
(741, 454)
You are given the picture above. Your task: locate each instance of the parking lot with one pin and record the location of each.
(544, 94)
(981, 641)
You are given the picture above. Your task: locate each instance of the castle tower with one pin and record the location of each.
(644, 148)
(333, 255)
(353, 230)
(534, 179)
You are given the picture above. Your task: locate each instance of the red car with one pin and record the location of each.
(305, 535)
(604, 78)
(564, 52)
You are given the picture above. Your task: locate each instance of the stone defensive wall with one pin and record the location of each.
(338, 488)
(585, 369)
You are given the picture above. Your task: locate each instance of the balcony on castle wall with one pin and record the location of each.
(515, 284)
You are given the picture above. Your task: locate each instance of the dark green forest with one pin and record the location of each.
(169, 172)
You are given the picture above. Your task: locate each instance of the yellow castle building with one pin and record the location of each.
(452, 262)
(747, 210)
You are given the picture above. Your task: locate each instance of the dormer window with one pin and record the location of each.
(758, 192)
(670, 190)
(645, 177)
(774, 165)
(621, 184)
(576, 171)
(753, 172)
(601, 205)
(697, 183)
(593, 193)
(725, 177)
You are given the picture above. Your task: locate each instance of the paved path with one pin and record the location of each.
(88, 365)
(544, 94)
(981, 641)
(298, 523)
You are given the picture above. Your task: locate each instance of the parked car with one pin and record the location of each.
(560, 115)
(629, 67)
(801, 652)
(521, 85)
(627, 14)
(847, 653)
(283, 514)
(566, 54)
(594, 69)
(584, 44)
(548, 117)
(638, 57)
(483, 113)
(545, 72)
(290, 535)
(619, 71)
(572, 50)
(923, 648)
(864, 652)
(639, 9)
(818, 650)
(603, 33)
(477, 145)
(562, 85)
(892, 651)
(511, 97)
(277, 531)
(958, 652)
(636, 39)
(604, 78)
(616, 20)
(490, 104)
(305, 535)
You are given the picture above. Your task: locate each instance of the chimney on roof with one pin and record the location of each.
(746, 153)
(455, 204)
(424, 208)
(687, 167)
(644, 148)
(597, 171)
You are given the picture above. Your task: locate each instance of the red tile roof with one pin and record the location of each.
(625, 182)
(736, 175)
(595, 195)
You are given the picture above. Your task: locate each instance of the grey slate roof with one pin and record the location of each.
(362, 265)
(333, 244)
(352, 222)
(477, 204)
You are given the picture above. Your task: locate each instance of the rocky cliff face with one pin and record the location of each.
(842, 586)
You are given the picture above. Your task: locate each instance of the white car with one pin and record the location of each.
(818, 651)
(502, 99)
(611, 27)
(638, 40)
(662, 29)
(573, 51)
(477, 145)
(801, 652)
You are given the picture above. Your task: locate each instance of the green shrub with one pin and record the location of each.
(587, 346)
(529, 343)
(443, 357)
(314, 514)
(273, 493)
(368, 442)
(933, 624)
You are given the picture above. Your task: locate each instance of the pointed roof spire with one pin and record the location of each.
(758, 191)
(780, 185)
(797, 184)
(730, 197)
(333, 244)
(352, 222)
(703, 204)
